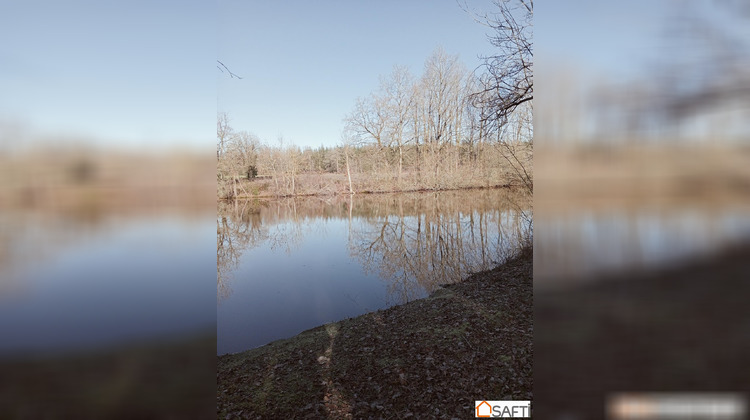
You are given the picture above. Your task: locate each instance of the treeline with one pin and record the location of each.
(448, 128)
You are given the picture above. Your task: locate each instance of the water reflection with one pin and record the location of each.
(69, 286)
(419, 243)
(320, 259)
(238, 229)
(587, 242)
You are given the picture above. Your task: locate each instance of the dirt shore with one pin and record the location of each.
(168, 379)
(677, 329)
(428, 358)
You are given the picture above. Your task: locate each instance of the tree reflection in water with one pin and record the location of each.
(238, 228)
(413, 241)
(419, 242)
(243, 225)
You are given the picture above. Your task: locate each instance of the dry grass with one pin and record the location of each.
(621, 177)
(337, 184)
(69, 180)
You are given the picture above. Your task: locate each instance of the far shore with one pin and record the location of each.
(327, 184)
(259, 189)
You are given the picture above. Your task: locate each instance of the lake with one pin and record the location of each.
(584, 242)
(72, 283)
(288, 265)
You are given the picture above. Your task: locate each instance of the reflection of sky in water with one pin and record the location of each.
(296, 276)
(276, 294)
(589, 242)
(143, 279)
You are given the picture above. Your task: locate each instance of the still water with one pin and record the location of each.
(69, 284)
(584, 243)
(288, 265)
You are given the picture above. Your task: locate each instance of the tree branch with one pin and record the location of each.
(231, 75)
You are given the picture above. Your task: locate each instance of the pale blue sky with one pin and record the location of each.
(304, 63)
(596, 36)
(638, 44)
(144, 73)
(136, 73)
(624, 39)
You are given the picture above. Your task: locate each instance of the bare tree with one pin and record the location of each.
(237, 156)
(223, 132)
(515, 143)
(368, 119)
(292, 162)
(505, 97)
(442, 100)
(347, 140)
(508, 79)
(398, 93)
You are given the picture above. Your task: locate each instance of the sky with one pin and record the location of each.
(134, 73)
(623, 39)
(581, 45)
(144, 73)
(303, 63)
(597, 37)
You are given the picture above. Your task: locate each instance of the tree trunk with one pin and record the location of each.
(400, 163)
(348, 172)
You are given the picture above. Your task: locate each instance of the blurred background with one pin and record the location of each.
(642, 219)
(107, 187)
(642, 166)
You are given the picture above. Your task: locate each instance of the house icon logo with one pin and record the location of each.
(483, 409)
(504, 409)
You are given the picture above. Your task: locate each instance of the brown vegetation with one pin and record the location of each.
(634, 175)
(84, 179)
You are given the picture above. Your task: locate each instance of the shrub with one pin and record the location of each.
(252, 172)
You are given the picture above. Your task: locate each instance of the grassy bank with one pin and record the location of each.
(429, 358)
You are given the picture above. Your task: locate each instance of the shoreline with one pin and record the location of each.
(369, 191)
(466, 341)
